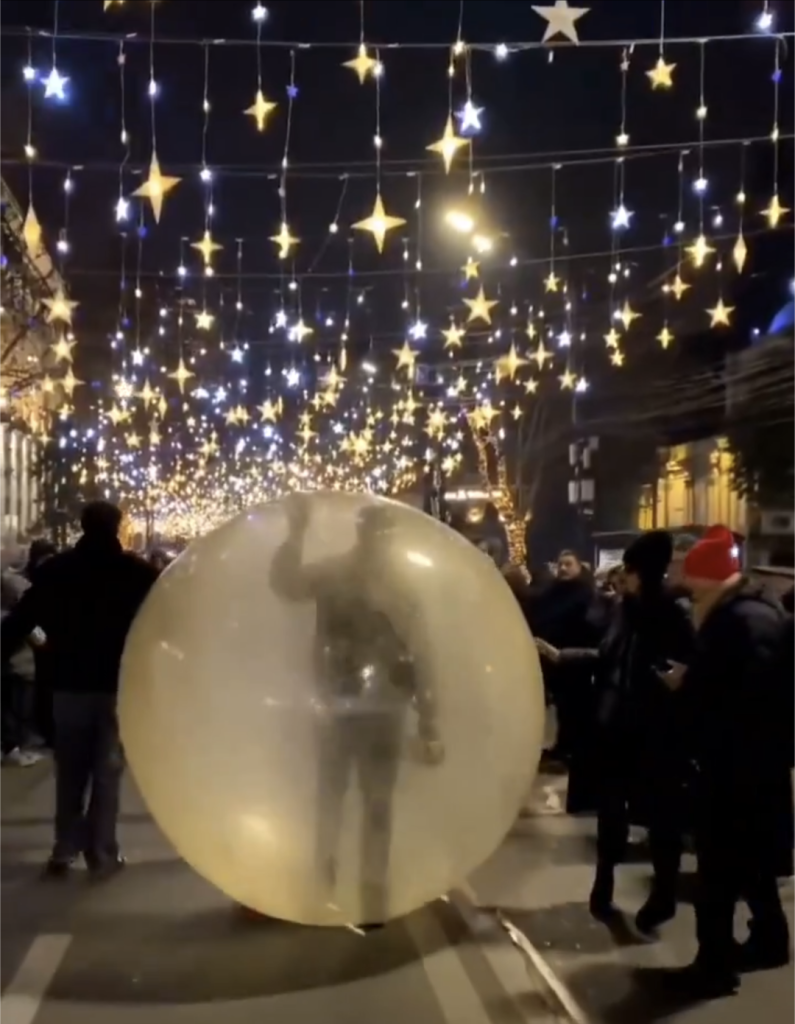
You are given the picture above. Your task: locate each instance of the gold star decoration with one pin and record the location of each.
(378, 223)
(147, 395)
(507, 365)
(567, 380)
(181, 375)
(617, 357)
(333, 379)
(300, 331)
(284, 240)
(480, 418)
(448, 145)
(561, 20)
(59, 308)
(612, 338)
(471, 269)
(156, 187)
(678, 287)
(70, 382)
(204, 320)
(453, 336)
(660, 75)
(260, 109)
(206, 247)
(541, 356)
(62, 349)
(31, 231)
(117, 415)
(774, 212)
(699, 251)
(406, 357)
(269, 411)
(719, 315)
(551, 282)
(436, 422)
(530, 386)
(739, 253)
(363, 64)
(627, 315)
(480, 307)
(133, 440)
(665, 337)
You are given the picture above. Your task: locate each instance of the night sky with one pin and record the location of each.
(537, 112)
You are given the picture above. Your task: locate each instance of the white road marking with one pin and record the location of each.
(556, 985)
(25, 993)
(456, 995)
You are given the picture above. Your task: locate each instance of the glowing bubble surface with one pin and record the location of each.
(332, 707)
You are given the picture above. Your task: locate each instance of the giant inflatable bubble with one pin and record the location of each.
(333, 708)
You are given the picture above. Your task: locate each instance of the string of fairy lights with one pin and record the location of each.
(202, 415)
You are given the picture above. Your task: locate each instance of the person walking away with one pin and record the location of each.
(742, 742)
(84, 600)
(40, 550)
(16, 683)
(639, 750)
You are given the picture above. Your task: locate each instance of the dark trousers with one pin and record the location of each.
(640, 787)
(12, 692)
(370, 746)
(89, 762)
(736, 855)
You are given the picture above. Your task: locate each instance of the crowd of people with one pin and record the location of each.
(674, 687)
(673, 682)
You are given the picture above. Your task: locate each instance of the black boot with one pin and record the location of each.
(766, 949)
(658, 908)
(702, 981)
(601, 900)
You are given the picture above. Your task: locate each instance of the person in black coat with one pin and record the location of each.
(85, 601)
(640, 753)
(739, 687)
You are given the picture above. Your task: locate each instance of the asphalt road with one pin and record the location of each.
(159, 946)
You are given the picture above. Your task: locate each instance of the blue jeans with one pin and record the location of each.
(89, 762)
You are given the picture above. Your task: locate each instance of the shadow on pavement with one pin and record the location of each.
(569, 928)
(619, 996)
(137, 940)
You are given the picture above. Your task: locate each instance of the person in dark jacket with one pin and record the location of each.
(742, 742)
(84, 600)
(40, 551)
(640, 750)
(566, 614)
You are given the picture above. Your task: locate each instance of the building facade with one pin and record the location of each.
(21, 498)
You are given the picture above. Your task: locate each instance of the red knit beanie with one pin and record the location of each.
(714, 557)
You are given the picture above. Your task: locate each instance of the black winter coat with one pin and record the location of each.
(740, 685)
(85, 600)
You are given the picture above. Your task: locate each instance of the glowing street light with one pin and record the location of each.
(460, 222)
(481, 244)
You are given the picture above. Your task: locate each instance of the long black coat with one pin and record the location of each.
(740, 691)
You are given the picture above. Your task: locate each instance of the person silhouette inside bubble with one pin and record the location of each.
(371, 687)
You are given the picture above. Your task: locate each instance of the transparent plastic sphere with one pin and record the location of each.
(333, 708)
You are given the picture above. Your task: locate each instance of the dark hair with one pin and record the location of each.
(101, 518)
(568, 553)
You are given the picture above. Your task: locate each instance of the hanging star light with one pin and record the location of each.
(268, 411)
(699, 251)
(627, 316)
(660, 75)
(561, 20)
(469, 117)
(541, 356)
(774, 212)
(181, 375)
(260, 109)
(62, 349)
(551, 282)
(31, 231)
(665, 337)
(719, 315)
(59, 308)
(453, 336)
(299, 331)
(363, 64)
(616, 357)
(69, 382)
(204, 320)
(206, 247)
(406, 357)
(284, 240)
(739, 253)
(471, 269)
(567, 380)
(156, 187)
(679, 287)
(507, 365)
(530, 386)
(480, 307)
(147, 394)
(448, 145)
(378, 223)
(54, 85)
(612, 338)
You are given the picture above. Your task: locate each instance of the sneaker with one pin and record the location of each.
(18, 758)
